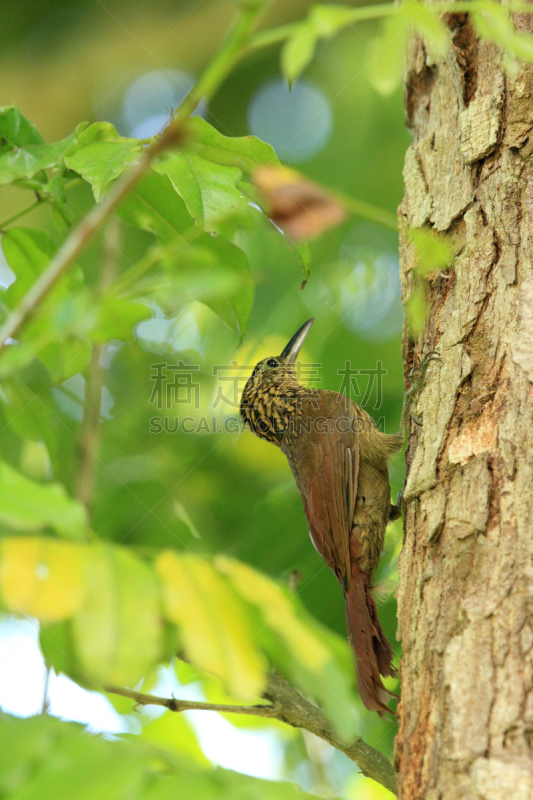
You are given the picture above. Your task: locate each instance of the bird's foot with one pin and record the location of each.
(397, 509)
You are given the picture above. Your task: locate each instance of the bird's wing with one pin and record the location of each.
(324, 458)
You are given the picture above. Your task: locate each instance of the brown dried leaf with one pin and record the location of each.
(302, 209)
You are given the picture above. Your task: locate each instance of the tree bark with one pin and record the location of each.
(466, 577)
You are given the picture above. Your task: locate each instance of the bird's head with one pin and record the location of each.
(272, 385)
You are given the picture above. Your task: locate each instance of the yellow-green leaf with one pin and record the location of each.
(172, 731)
(102, 162)
(327, 20)
(298, 52)
(42, 577)
(415, 308)
(26, 505)
(117, 630)
(428, 25)
(386, 55)
(277, 611)
(215, 628)
(433, 251)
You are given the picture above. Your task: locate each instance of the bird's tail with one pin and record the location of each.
(373, 652)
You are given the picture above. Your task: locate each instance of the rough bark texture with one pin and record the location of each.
(466, 570)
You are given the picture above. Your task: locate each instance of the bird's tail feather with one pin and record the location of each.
(373, 652)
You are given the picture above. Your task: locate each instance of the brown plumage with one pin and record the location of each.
(339, 461)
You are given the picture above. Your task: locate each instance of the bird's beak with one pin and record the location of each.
(290, 353)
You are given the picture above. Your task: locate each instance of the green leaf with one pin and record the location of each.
(27, 415)
(16, 130)
(245, 152)
(173, 732)
(429, 26)
(367, 789)
(155, 206)
(327, 20)
(209, 190)
(222, 785)
(323, 22)
(433, 251)
(298, 52)
(46, 758)
(35, 459)
(97, 132)
(215, 627)
(208, 174)
(117, 630)
(185, 180)
(234, 305)
(495, 24)
(25, 162)
(64, 358)
(28, 252)
(58, 649)
(102, 162)
(182, 514)
(415, 308)
(387, 55)
(26, 505)
(117, 318)
(25, 742)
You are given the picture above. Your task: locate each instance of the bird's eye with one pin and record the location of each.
(272, 362)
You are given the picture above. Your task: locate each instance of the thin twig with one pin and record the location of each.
(15, 217)
(377, 11)
(287, 705)
(207, 85)
(46, 700)
(367, 211)
(192, 705)
(90, 426)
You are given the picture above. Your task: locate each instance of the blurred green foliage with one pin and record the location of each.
(192, 538)
(48, 758)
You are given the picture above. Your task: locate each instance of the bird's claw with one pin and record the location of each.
(420, 371)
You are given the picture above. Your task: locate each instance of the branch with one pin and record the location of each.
(367, 211)
(90, 426)
(287, 706)
(208, 83)
(192, 705)
(377, 11)
(21, 213)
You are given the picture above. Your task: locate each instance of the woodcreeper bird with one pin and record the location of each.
(339, 460)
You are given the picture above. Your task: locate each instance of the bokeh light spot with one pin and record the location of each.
(296, 123)
(370, 293)
(151, 99)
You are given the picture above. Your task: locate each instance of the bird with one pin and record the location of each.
(338, 458)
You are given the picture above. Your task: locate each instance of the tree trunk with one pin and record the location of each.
(466, 576)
